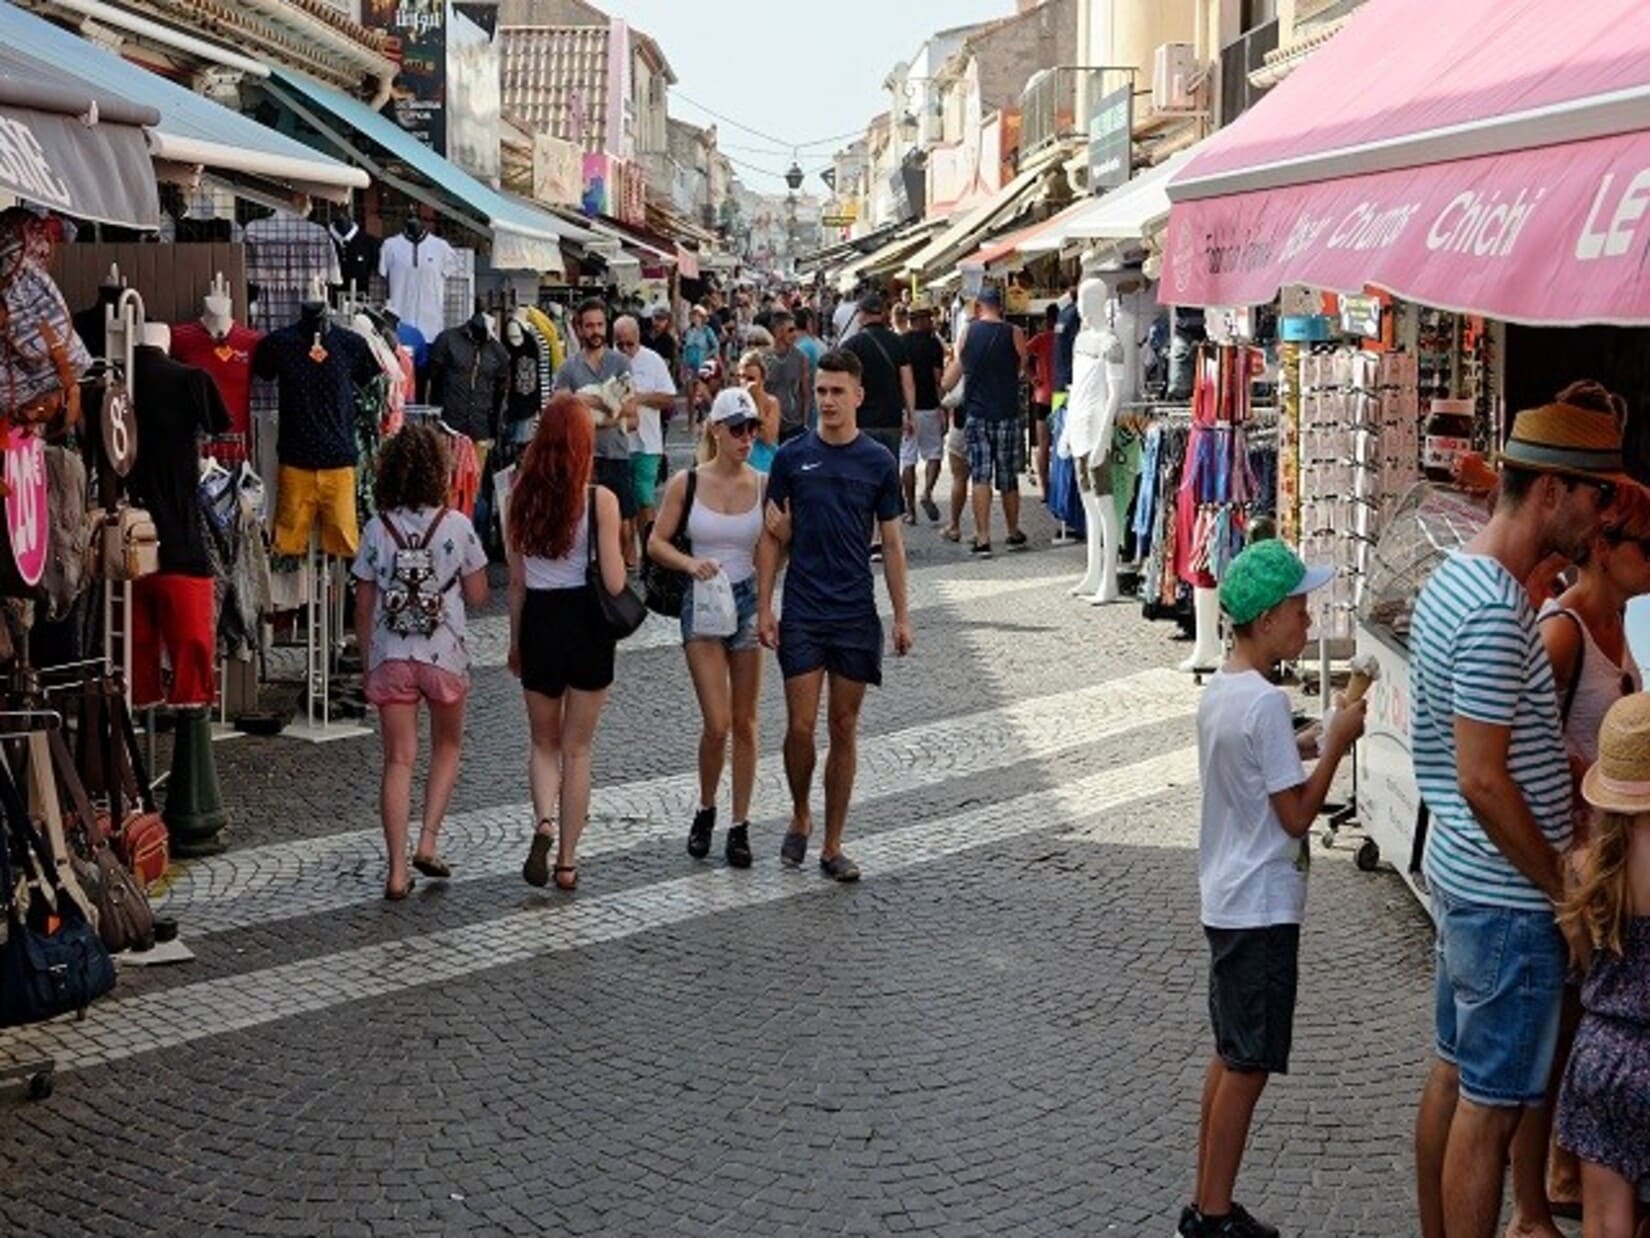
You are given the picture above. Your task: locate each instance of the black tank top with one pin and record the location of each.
(992, 365)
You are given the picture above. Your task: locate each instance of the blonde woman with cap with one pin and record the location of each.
(1604, 1105)
(720, 504)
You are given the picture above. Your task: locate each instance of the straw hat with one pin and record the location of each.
(1619, 780)
(1565, 439)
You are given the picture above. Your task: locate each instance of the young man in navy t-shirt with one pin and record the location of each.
(827, 491)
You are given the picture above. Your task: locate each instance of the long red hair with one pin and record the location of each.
(548, 496)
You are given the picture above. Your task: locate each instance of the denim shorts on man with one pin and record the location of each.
(744, 601)
(1254, 974)
(851, 650)
(1499, 988)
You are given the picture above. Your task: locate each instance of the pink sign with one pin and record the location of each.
(1554, 235)
(26, 513)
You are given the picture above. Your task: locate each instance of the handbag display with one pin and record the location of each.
(112, 763)
(125, 920)
(124, 544)
(622, 612)
(663, 587)
(51, 961)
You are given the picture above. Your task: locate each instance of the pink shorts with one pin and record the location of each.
(404, 682)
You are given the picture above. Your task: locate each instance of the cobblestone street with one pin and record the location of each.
(1001, 1030)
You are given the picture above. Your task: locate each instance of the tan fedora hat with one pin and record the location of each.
(1565, 439)
(1619, 780)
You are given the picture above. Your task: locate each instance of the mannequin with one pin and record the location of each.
(416, 263)
(317, 367)
(526, 393)
(89, 322)
(1091, 416)
(357, 252)
(469, 378)
(223, 348)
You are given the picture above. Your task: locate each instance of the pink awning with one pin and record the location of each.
(1499, 165)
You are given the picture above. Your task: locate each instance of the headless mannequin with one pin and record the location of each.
(217, 314)
(1091, 417)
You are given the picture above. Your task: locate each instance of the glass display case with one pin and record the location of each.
(1428, 522)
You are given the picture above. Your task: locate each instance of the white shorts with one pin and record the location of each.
(927, 443)
(956, 443)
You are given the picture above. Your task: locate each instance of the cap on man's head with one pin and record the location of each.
(991, 295)
(1263, 576)
(733, 407)
(873, 303)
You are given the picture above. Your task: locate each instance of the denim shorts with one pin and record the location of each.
(744, 601)
(852, 650)
(1500, 985)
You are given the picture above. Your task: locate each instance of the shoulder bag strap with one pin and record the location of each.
(1581, 662)
(43, 787)
(69, 778)
(590, 532)
(683, 542)
(134, 774)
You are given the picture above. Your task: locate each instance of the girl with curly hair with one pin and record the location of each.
(559, 647)
(419, 564)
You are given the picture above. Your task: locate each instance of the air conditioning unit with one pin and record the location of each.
(1175, 78)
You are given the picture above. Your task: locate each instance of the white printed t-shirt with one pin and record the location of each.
(455, 551)
(651, 376)
(1249, 868)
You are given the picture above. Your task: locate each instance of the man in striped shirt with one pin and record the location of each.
(1490, 764)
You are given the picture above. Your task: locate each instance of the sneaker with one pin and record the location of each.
(980, 550)
(704, 821)
(738, 849)
(1237, 1224)
(1191, 1223)
(1017, 539)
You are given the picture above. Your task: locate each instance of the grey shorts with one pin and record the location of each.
(1253, 975)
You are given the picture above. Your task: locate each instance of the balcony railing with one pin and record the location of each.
(1049, 105)
(1238, 59)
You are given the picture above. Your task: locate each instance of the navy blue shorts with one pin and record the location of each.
(852, 650)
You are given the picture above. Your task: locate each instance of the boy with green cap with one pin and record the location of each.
(1258, 805)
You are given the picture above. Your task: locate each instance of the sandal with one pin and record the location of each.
(392, 895)
(572, 883)
(839, 868)
(793, 849)
(931, 509)
(951, 535)
(536, 871)
(432, 866)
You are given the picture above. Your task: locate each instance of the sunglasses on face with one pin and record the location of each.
(744, 429)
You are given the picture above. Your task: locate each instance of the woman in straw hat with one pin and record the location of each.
(1604, 1106)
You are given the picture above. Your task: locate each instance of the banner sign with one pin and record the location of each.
(418, 101)
(1111, 138)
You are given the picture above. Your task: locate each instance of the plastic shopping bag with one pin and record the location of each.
(714, 611)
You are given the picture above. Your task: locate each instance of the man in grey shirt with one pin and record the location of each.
(787, 376)
(593, 364)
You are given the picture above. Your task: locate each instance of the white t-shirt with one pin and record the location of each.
(651, 376)
(455, 551)
(1250, 871)
(417, 276)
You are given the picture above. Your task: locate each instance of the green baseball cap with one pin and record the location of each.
(1263, 576)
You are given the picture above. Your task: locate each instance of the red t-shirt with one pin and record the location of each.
(1040, 349)
(228, 361)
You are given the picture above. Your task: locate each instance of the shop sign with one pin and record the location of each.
(837, 221)
(418, 101)
(1111, 136)
(26, 503)
(1361, 315)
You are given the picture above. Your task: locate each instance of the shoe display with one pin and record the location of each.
(704, 821)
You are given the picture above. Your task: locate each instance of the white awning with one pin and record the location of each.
(1128, 213)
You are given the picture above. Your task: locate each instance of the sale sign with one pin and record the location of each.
(26, 503)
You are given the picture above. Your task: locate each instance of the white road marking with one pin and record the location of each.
(120, 1028)
(285, 880)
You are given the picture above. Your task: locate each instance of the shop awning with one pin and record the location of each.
(1498, 162)
(75, 150)
(1131, 212)
(524, 238)
(964, 234)
(189, 129)
(886, 258)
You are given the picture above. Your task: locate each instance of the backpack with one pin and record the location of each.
(414, 605)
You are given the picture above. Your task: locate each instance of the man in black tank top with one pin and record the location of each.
(992, 355)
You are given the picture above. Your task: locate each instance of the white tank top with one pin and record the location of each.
(730, 540)
(566, 572)
(1602, 684)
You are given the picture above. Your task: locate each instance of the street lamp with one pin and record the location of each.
(793, 177)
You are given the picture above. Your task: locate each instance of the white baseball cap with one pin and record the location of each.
(733, 407)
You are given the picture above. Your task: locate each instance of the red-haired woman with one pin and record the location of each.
(559, 648)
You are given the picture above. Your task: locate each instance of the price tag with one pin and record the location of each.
(119, 426)
(26, 504)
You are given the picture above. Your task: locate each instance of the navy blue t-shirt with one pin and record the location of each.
(1065, 343)
(317, 393)
(836, 494)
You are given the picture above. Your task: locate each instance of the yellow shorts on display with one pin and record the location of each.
(306, 498)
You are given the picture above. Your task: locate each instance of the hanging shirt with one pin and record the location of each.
(228, 359)
(417, 274)
(469, 378)
(316, 387)
(357, 251)
(175, 404)
(527, 386)
(415, 342)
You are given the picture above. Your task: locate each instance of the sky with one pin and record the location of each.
(796, 72)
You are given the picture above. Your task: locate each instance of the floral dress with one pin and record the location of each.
(1604, 1108)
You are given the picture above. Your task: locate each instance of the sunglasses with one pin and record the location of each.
(744, 429)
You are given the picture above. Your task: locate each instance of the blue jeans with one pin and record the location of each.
(1499, 988)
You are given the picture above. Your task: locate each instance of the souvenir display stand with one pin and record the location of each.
(323, 589)
(1426, 524)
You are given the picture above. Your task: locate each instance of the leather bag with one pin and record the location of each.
(51, 962)
(125, 544)
(125, 921)
(620, 613)
(663, 587)
(112, 765)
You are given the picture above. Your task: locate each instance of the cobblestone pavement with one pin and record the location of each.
(1001, 1030)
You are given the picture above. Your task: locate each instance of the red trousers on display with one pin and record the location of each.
(175, 612)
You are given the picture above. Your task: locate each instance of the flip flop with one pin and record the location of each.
(432, 866)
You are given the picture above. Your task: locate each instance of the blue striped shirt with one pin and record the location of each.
(1475, 653)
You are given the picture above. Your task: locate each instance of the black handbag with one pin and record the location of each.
(621, 613)
(52, 962)
(665, 588)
